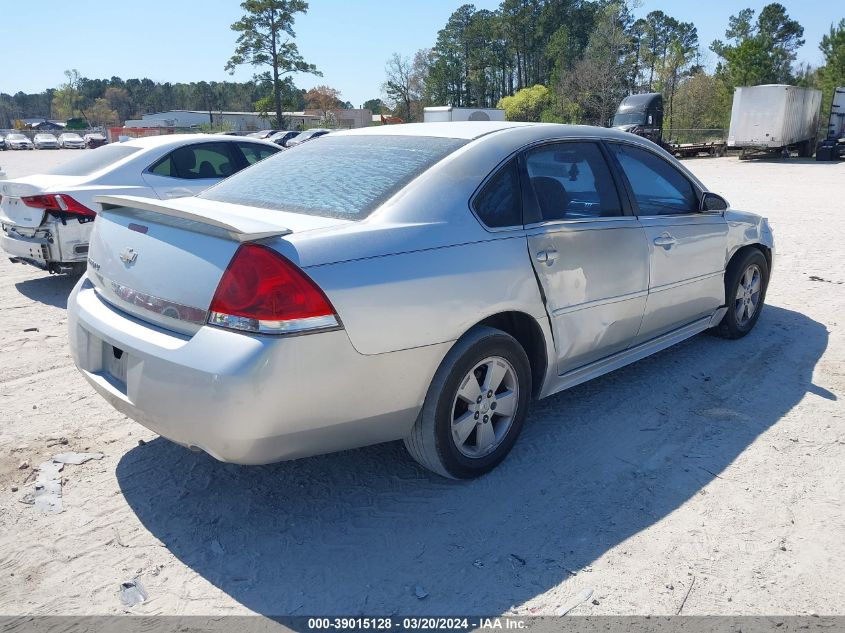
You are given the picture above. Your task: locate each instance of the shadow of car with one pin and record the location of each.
(361, 529)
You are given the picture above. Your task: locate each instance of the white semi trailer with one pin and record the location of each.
(443, 114)
(774, 118)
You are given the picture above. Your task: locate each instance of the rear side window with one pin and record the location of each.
(658, 187)
(499, 202)
(253, 152)
(95, 160)
(572, 181)
(196, 162)
(336, 176)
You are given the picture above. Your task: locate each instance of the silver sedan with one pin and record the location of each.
(419, 282)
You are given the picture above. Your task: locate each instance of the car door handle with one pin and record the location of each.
(666, 240)
(547, 256)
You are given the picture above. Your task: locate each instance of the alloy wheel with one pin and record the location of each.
(748, 294)
(484, 407)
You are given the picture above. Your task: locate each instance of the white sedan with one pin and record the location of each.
(18, 141)
(45, 141)
(71, 140)
(46, 219)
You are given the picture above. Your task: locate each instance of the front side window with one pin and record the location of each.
(658, 187)
(253, 152)
(336, 176)
(499, 202)
(196, 162)
(572, 181)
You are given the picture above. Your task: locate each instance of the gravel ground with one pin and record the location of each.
(710, 477)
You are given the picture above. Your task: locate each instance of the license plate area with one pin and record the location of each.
(115, 362)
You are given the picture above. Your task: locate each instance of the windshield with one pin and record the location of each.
(15, 137)
(335, 176)
(631, 118)
(94, 160)
(72, 137)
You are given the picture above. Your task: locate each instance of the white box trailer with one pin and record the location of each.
(444, 114)
(775, 117)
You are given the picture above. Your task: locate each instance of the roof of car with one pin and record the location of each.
(464, 129)
(149, 142)
(470, 130)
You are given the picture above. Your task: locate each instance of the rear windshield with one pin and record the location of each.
(94, 161)
(334, 176)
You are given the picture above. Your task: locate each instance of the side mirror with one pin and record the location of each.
(713, 203)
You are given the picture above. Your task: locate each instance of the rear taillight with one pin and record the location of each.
(263, 292)
(58, 202)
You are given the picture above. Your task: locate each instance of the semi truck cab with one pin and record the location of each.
(641, 115)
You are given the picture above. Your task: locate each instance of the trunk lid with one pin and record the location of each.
(162, 260)
(12, 208)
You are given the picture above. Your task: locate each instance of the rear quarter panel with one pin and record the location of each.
(419, 298)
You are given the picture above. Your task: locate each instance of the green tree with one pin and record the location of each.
(376, 106)
(66, 99)
(761, 51)
(100, 114)
(527, 104)
(702, 101)
(266, 39)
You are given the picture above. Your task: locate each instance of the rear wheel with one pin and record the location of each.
(475, 407)
(745, 289)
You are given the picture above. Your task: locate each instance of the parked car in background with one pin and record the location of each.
(306, 306)
(2, 141)
(71, 140)
(263, 134)
(45, 140)
(307, 135)
(46, 219)
(95, 139)
(282, 137)
(18, 141)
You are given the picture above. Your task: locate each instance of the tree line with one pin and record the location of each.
(572, 61)
(266, 41)
(105, 102)
(568, 61)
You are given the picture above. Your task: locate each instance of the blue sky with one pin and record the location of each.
(349, 40)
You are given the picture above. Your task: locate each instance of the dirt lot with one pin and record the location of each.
(714, 470)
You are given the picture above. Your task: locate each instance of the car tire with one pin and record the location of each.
(746, 281)
(448, 415)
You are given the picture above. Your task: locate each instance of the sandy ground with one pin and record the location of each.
(714, 470)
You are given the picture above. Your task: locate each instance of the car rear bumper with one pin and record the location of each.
(248, 399)
(51, 243)
(30, 248)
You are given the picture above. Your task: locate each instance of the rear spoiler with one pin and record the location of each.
(235, 222)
